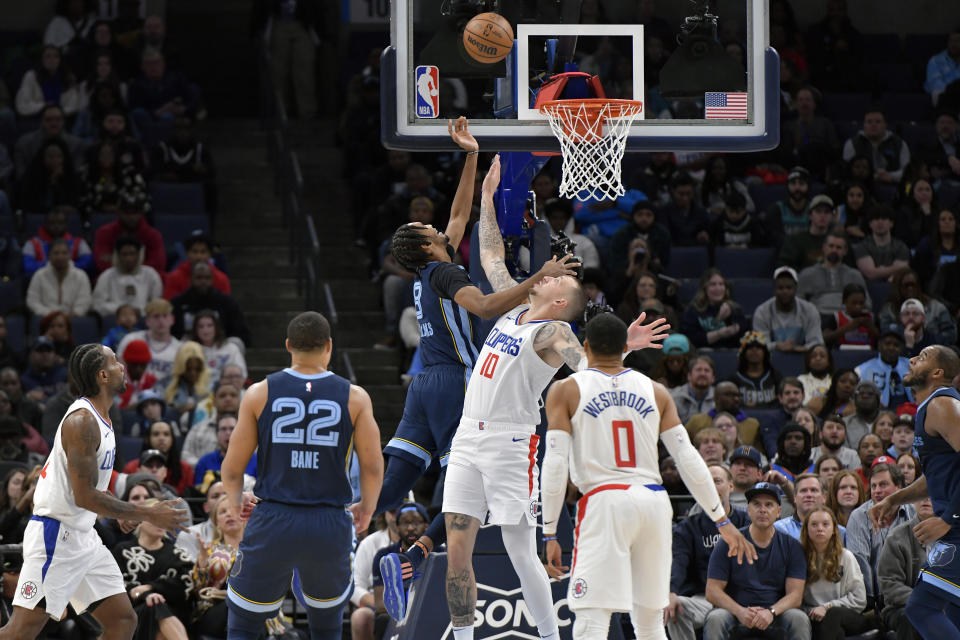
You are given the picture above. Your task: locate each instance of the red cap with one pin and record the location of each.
(909, 408)
(883, 460)
(137, 352)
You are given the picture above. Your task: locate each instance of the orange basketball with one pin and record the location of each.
(488, 37)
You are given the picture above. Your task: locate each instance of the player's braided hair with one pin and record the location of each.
(85, 362)
(407, 248)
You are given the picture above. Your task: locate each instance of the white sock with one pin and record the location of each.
(463, 633)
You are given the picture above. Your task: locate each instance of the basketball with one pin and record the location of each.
(488, 37)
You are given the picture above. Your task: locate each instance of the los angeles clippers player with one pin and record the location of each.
(492, 466)
(934, 605)
(64, 560)
(304, 422)
(604, 423)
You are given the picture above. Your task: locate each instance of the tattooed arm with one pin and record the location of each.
(557, 345)
(81, 438)
(491, 243)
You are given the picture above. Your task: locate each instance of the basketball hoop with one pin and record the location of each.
(593, 135)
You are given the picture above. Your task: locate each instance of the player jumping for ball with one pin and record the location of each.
(492, 466)
(604, 423)
(64, 560)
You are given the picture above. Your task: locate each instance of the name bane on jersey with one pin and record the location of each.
(503, 342)
(608, 399)
(304, 459)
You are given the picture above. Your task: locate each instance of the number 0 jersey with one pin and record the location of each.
(305, 438)
(53, 497)
(509, 376)
(615, 430)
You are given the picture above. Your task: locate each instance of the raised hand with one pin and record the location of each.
(460, 132)
(556, 267)
(643, 336)
(492, 180)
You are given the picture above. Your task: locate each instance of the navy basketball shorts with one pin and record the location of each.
(431, 414)
(317, 540)
(942, 568)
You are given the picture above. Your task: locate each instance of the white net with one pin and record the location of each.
(593, 135)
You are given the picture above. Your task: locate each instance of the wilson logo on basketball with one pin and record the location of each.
(481, 48)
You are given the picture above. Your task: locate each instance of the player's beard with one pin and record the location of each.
(916, 380)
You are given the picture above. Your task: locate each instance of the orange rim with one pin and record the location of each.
(592, 129)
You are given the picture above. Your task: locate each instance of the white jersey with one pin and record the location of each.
(615, 430)
(53, 497)
(509, 377)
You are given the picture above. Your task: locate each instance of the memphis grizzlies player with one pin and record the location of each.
(307, 422)
(64, 560)
(447, 304)
(934, 605)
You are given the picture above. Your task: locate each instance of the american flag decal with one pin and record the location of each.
(725, 106)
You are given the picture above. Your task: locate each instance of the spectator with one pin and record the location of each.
(202, 532)
(153, 35)
(199, 248)
(163, 346)
(190, 379)
(57, 328)
(916, 213)
(787, 217)
(943, 69)
(794, 445)
(711, 445)
(901, 440)
(631, 243)
(130, 221)
(185, 159)
(909, 465)
(852, 214)
(22, 407)
(126, 319)
(202, 436)
(912, 323)
(149, 408)
(13, 444)
(671, 371)
(214, 565)
(804, 248)
(136, 359)
(687, 222)
(211, 462)
(846, 494)
(31, 437)
(735, 227)
(11, 491)
(726, 398)
(108, 180)
(559, 215)
(823, 283)
(128, 283)
(870, 452)
(835, 594)
(888, 152)
(898, 566)
(101, 98)
(886, 370)
(809, 495)
(153, 465)
(44, 377)
(48, 83)
(50, 179)
(155, 572)
(883, 427)
(853, 323)
(220, 352)
(809, 421)
(696, 396)
(58, 285)
(643, 287)
(728, 427)
(8, 357)
(51, 127)
(202, 296)
(713, 319)
(827, 467)
(363, 617)
(600, 219)
(159, 96)
(788, 323)
(718, 186)
(833, 442)
(10, 260)
(789, 399)
(755, 376)
(291, 31)
(55, 225)
(746, 469)
(940, 248)
(866, 400)
(15, 520)
(741, 597)
(114, 127)
(862, 538)
(159, 437)
(70, 26)
(880, 255)
(817, 372)
(943, 154)
(811, 139)
(694, 539)
(937, 320)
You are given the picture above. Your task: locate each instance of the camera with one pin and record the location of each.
(594, 309)
(561, 245)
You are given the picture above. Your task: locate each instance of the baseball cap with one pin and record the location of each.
(676, 344)
(821, 200)
(904, 420)
(152, 454)
(150, 395)
(891, 330)
(746, 453)
(798, 172)
(906, 409)
(42, 342)
(764, 488)
(911, 303)
(136, 352)
(882, 460)
(790, 271)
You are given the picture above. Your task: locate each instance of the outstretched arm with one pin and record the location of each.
(491, 243)
(463, 199)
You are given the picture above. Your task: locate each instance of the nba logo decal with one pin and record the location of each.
(579, 588)
(309, 387)
(428, 91)
(28, 590)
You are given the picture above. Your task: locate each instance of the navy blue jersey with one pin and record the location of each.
(448, 333)
(941, 464)
(305, 437)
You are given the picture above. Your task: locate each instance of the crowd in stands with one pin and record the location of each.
(798, 283)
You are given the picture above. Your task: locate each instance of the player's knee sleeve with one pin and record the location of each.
(591, 624)
(243, 624)
(648, 623)
(325, 624)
